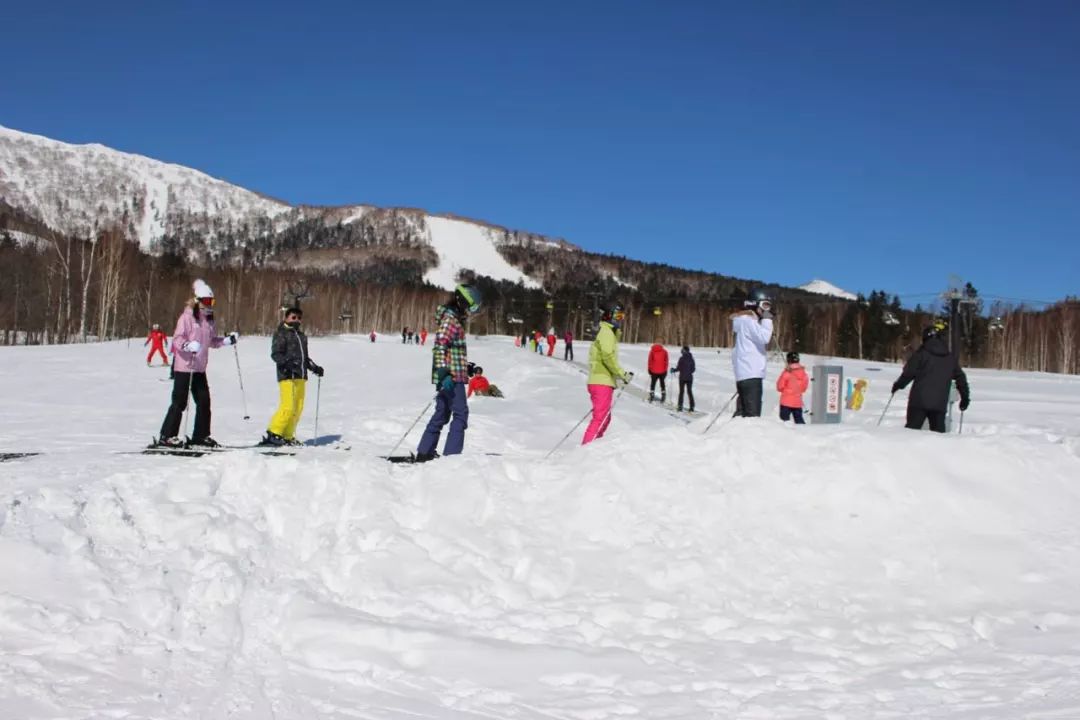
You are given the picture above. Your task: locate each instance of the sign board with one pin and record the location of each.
(827, 394)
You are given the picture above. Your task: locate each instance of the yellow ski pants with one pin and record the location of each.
(290, 406)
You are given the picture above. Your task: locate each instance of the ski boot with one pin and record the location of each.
(272, 440)
(206, 442)
(173, 443)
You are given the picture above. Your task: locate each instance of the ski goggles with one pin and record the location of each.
(765, 305)
(206, 301)
(618, 316)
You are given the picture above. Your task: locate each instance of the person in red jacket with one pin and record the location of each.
(423, 336)
(791, 385)
(551, 342)
(479, 384)
(658, 369)
(160, 344)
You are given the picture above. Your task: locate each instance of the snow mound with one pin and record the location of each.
(822, 287)
(463, 245)
(763, 570)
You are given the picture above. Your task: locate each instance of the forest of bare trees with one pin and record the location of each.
(62, 289)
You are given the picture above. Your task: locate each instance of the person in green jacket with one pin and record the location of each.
(604, 370)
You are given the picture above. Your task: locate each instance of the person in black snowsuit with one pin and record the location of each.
(933, 367)
(289, 351)
(686, 367)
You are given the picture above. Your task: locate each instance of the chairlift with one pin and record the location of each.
(514, 319)
(996, 323)
(657, 311)
(889, 318)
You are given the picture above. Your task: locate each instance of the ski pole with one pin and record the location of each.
(318, 394)
(243, 395)
(567, 435)
(583, 417)
(887, 404)
(961, 430)
(418, 418)
(187, 402)
(720, 412)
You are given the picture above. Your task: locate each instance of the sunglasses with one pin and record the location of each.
(291, 318)
(206, 302)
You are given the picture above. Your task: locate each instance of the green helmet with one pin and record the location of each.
(468, 298)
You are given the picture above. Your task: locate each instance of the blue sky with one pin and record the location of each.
(873, 144)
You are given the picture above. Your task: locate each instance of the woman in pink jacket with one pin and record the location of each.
(194, 336)
(791, 385)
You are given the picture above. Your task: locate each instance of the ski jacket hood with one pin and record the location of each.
(933, 368)
(658, 360)
(751, 340)
(604, 365)
(289, 350)
(791, 385)
(188, 328)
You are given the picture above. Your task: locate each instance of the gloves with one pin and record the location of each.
(317, 369)
(965, 402)
(444, 381)
(232, 338)
(192, 346)
(896, 387)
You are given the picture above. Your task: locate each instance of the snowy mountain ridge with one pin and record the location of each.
(80, 190)
(821, 287)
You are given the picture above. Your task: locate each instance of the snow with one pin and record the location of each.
(761, 571)
(463, 245)
(75, 188)
(822, 287)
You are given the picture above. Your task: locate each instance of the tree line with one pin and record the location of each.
(59, 289)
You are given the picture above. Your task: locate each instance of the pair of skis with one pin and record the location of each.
(156, 448)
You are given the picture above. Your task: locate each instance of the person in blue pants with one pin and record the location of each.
(450, 374)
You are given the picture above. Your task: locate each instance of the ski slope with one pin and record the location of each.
(761, 571)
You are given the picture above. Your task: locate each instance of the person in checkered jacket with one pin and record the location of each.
(450, 374)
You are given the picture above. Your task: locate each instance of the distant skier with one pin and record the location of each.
(686, 368)
(159, 345)
(658, 369)
(479, 385)
(450, 373)
(753, 329)
(404, 334)
(933, 367)
(194, 336)
(791, 385)
(551, 342)
(604, 371)
(423, 336)
(289, 351)
(372, 335)
(538, 342)
(524, 340)
(568, 345)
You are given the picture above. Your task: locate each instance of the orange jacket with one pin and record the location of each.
(791, 385)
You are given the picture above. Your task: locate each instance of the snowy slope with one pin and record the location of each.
(463, 245)
(825, 288)
(763, 571)
(72, 187)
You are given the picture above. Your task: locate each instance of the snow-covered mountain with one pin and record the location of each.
(822, 287)
(81, 190)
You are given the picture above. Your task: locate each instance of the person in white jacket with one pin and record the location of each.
(753, 329)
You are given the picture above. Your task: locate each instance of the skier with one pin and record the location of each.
(791, 385)
(194, 336)
(160, 345)
(568, 345)
(404, 334)
(372, 335)
(658, 370)
(604, 370)
(686, 367)
(753, 329)
(289, 351)
(551, 341)
(479, 384)
(933, 367)
(423, 336)
(450, 373)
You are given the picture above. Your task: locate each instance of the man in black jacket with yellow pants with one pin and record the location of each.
(933, 367)
(288, 350)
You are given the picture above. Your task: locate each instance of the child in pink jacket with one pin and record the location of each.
(791, 385)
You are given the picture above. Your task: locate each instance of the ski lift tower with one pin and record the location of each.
(956, 297)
